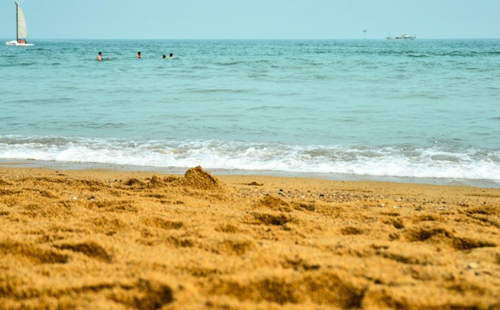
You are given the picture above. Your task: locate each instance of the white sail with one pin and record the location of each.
(22, 31)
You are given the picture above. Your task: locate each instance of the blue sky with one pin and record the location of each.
(256, 19)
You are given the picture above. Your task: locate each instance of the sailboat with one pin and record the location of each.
(22, 32)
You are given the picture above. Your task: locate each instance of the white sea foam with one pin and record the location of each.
(432, 162)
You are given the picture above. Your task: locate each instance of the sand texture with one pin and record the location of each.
(130, 240)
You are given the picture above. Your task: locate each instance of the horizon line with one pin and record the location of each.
(250, 39)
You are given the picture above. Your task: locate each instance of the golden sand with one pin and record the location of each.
(130, 240)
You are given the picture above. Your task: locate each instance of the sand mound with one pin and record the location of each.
(145, 295)
(3, 182)
(274, 203)
(288, 287)
(200, 179)
(442, 235)
(195, 178)
(90, 249)
(35, 253)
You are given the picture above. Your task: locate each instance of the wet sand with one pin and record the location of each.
(138, 240)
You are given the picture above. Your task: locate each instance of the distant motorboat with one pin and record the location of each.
(21, 29)
(404, 36)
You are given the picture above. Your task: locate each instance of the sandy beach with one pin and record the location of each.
(133, 240)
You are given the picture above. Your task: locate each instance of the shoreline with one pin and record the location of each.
(54, 165)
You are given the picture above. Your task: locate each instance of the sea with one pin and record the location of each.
(425, 111)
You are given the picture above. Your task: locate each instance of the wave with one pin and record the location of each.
(217, 90)
(383, 161)
(418, 55)
(22, 64)
(229, 63)
(426, 53)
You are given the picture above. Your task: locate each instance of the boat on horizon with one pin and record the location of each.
(404, 36)
(21, 29)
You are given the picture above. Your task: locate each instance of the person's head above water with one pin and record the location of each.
(139, 55)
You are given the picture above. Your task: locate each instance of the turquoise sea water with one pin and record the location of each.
(423, 109)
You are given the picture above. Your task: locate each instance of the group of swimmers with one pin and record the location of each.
(139, 55)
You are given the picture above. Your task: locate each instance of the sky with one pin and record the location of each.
(255, 19)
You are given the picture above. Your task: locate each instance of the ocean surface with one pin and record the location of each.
(424, 110)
